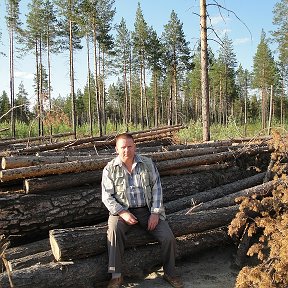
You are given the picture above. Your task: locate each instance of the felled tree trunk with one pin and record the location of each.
(53, 168)
(35, 214)
(228, 200)
(92, 272)
(67, 244)
(64, 181)
(214, 193)
(27, 249)
(26, 161)
(206, 159)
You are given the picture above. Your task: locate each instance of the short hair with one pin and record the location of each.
(124, 136)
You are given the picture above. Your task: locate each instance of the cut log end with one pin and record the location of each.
(56, 251)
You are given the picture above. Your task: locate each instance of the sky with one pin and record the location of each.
(242, 20)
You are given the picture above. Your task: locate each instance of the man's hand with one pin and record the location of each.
(153, 221)
(128, 217)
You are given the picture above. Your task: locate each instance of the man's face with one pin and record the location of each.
(126, 149)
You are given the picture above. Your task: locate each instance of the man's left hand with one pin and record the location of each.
(153, 221)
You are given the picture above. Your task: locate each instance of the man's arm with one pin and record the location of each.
(157, 193)
(108, 192)
(111, 203)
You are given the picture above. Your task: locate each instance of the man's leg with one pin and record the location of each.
(163, 235)
(116, 238)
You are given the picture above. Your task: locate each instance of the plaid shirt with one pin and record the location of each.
(134, 189)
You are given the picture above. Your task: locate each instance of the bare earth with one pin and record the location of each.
(209, 269)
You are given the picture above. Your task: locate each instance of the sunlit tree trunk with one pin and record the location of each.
(89, 88)
(12, 85)
(72, 89)
(204, 72)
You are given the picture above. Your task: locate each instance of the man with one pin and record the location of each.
(132, 192)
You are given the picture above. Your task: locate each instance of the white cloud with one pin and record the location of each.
(219, 19)
(240, 41)
(23, 75)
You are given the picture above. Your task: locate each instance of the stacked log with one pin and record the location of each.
(60, 202)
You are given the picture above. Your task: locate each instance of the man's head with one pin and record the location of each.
(125, 147)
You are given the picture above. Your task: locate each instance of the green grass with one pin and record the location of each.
(193, 132)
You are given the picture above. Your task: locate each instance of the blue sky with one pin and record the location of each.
(256, 14)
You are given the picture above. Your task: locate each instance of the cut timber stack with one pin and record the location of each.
(200, 183)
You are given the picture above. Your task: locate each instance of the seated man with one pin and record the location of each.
(132, 192)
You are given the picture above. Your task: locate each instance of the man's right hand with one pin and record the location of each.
(128, 217)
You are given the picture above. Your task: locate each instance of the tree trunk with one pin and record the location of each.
(229, 200)
(212, 194)
(82, 242)
(31, 215)
(57, 182)
(96, 164)
(204, 159)
(92, 272)
(204, 72)
(27, 249)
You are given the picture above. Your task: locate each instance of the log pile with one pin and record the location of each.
(51, 209)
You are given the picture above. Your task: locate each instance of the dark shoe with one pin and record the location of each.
(115, 282)
(174, 281)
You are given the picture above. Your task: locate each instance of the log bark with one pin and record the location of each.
(81, 242)
(95, 164)
(229, 200)
(54, 168)
(195, 169)
(68, 180)
(214, 193)
(33, 215)
(27, 249)
(97, 141)
(32, 139)
(43, 257)
(26, 161)
(64, 181)
(92, 272)
(206, 159)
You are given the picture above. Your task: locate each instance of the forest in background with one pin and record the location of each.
(159, 79)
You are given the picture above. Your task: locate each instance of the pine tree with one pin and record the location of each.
(155, 62)
(22, 103)
(227, 63)
(193, 99)
(68, 11)
(177, 56)
(243, 82)
(52, 42)
(264, 74)
(140, 46)
(13, 24)
(280, 35)
(98, 16)
(122, 62)
(4, 107)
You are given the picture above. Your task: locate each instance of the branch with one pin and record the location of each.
(11, 109)
(228, 10)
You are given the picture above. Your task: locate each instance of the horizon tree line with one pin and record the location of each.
(159, 78)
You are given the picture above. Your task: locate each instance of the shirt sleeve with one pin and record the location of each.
(108, 192)
(157, 193)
